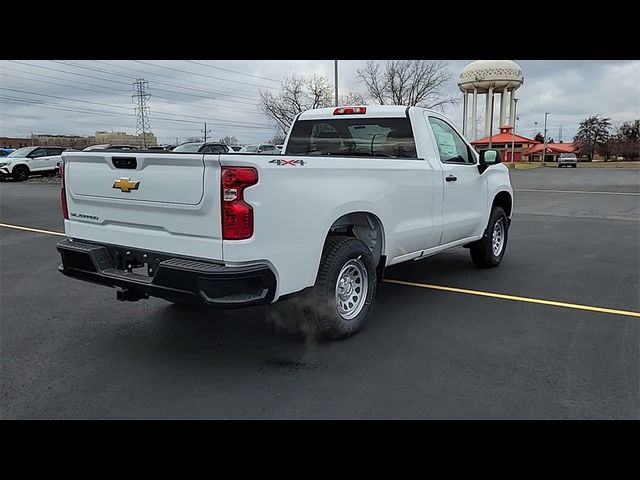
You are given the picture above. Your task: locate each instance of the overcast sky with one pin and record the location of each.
(80, 97)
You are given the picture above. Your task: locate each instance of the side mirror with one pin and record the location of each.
(488, 158)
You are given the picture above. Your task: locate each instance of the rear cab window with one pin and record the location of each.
(347, 137)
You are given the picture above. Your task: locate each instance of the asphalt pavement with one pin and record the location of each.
(69, 350)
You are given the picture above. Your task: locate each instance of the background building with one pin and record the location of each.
(524, 149)
(10, 142)
(123, 138)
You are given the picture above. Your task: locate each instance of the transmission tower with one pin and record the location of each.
(560, 133)
(205, 131)
(140, 97)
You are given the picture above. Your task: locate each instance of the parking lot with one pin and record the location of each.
(69, 350)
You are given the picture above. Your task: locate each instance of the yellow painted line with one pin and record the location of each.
(516, 298)
(29, 229)
(479, 293)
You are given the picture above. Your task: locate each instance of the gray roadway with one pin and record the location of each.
(69, 350)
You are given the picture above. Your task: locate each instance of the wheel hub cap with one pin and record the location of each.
(351, 289)
(497, 239)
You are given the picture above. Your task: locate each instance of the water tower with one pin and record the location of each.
(488, 77)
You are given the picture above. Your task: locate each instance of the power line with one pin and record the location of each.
(128, 108)
(39, 74)
(124, 83)
(225, 94)
(147, 73)
(234, 71)
(70, 73)
(205, 75)
(57, 106)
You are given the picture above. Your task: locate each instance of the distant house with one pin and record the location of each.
(524, 149)
(506, 141)
(552, 152)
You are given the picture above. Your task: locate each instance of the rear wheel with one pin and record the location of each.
(21, 173)
(488, 251)
(345, 288)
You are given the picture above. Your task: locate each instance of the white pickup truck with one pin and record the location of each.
(356, 189)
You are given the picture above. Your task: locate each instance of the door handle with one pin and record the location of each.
(451, 178)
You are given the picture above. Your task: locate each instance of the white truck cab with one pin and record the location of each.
(354, 190)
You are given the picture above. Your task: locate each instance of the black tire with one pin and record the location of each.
(21, 173)
(321, 317)
(482, 253)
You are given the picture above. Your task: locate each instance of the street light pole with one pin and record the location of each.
(491, 124)
(513, 130)
(544, 144)
(335, 72)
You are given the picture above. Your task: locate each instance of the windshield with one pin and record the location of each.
(188, 147)
(567, 155)
(251, 148)
(383, 137)
(22, 152)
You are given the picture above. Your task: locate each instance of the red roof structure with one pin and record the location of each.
(505, 136)
(554, 148)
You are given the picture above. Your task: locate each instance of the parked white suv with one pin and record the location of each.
(27, 161)
(355, 190)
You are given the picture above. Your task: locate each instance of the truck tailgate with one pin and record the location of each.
(165, 202)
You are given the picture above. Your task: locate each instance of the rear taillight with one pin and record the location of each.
(237, 215)
(350, 110)
(63, 192)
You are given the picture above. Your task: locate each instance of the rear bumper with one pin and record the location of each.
(173, 278)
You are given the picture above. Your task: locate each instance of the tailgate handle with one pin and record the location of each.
(124, 162)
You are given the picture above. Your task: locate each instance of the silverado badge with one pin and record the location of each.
(125, 184)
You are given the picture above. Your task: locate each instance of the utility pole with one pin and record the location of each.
(335, 72)
(491, 124)
(544, 145)
(205, 131)
(513, 130)
(140, 98)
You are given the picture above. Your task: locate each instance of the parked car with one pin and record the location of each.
(6, 151)
(357, 189)
(202, 147)
(262, 148)
(235, 148)
(27, 161)
(567, 160)
(110, 146)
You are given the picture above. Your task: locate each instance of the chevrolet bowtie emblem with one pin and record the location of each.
(125, 184)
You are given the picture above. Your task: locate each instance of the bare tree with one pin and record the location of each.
(194, 139)
(296, 95)
(626, 142)
(352, 98)
(593, 133)
(278, 138)
(228, 140)
(408, 82)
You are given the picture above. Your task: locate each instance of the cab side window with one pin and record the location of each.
(451, 147)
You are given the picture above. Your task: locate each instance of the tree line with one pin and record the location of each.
(396, 82)
(597, 136)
